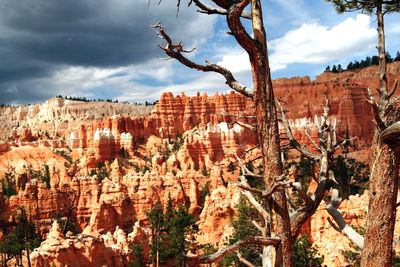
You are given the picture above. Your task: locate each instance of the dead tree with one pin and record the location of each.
(255, 44)
(326, 146)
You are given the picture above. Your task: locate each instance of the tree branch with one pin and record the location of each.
(312, 140)
(243, 260)
(247, 126)
(293, 142)
(263, 230)
(307, 199)
(391, 135)
(268, 192)
(254, 202)
(237, 116)
(257, 240)
(341, 224)
(394, 88)
(251, 149)
(203, 8)
(175, 51)
(377, 114)
(237, 28)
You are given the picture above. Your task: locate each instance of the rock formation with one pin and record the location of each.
(89, 248)
(173, 151)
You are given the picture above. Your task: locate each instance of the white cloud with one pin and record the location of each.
(84, 81)
(131, 83)
(312, 44)
(236, 62)
(316, 44)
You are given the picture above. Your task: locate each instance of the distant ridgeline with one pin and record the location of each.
(84, 99)
(368, 61)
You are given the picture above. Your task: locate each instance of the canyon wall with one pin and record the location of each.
(105, 127)
(150, 153)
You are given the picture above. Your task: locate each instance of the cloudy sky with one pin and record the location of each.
(106, 49)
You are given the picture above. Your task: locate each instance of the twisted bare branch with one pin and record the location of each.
(257, 240)
(377, 111)
(340, 224)
(203, 8)
(176, 50)
(293, 142)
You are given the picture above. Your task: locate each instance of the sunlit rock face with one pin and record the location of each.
(144, 163)
(90, 248)
(176, 114)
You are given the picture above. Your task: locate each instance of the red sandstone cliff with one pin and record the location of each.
(209, 142)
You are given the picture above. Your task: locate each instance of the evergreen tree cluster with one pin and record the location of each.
(41, 174)
(169, 232)
(101, 171)
(244, 228)
(368, 61)
(24, 237)
(84, 99)
(109, 100)
(303, 252)
(8, 184)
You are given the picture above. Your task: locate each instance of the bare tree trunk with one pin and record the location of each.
(28, 257)
(381, 216)
(268, 135)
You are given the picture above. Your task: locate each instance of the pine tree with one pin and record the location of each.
(169, 231)
(368, 61)
(364, 64)
(388, 57)
(156, 219)
(24, 238)
(375, 60)
(179, 226)
(350, 66)
(8, 186)
(305, 254)
(397, 58)
(46, 176)
(245, 228)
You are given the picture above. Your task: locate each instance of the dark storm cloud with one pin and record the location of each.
(77, 32)
(40, 37)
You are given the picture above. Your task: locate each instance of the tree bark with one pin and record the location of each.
(381, 215)
(383, 82)
(268, 134)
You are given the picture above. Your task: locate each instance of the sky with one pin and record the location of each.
(106, 48)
